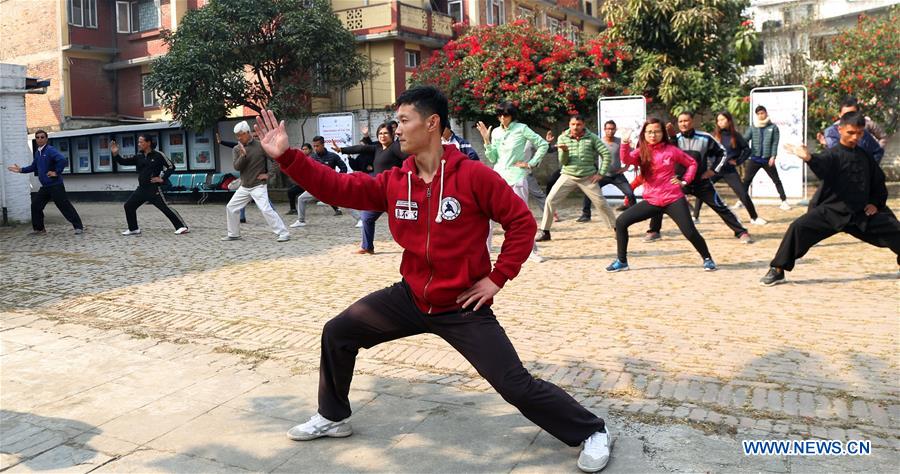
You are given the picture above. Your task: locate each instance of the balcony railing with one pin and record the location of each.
(396, 17)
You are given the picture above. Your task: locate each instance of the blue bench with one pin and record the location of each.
(212, 186)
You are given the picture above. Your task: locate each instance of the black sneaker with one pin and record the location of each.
(543, 236)
(583, 218)
(338, 212)
(292, 212)
(652, 237)
(774, 277)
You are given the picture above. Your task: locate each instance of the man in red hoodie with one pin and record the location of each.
(439, 203)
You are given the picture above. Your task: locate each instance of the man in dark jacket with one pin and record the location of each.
(331, 160)
(852, 199)
(48, 166)
(153, 169)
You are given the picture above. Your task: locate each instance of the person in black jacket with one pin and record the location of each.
(736, 152)
(387, 155)
(331, 160)
(153, 170)
(852, 198)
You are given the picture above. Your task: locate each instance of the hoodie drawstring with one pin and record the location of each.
(409, 191)
(438, 219)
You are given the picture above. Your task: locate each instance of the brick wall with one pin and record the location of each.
(92, 88)
(29, 27)
(45, 110)
(131, 101)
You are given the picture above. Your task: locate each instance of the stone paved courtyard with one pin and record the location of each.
(664, 344)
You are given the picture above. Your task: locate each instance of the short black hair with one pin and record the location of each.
(689, 113)
(576, 117)
(148, 138)
(850, 101)
(427, 100)
(307, 145)
(855, 119)
(40, 132)
(760, 108)
(508, 108)
(610, 122)
(318, 138)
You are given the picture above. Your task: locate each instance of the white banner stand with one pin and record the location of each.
(787, 107)
(337, 127)
(629, 112)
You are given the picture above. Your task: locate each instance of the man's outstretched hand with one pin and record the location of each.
(271, 133)
(479, 293)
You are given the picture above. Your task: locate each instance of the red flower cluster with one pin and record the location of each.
(549, 76)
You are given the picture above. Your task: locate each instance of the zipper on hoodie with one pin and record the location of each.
(428, 245)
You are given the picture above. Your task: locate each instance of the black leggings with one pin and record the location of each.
(679, 211)
(734, 182)
(292, 193)
(57, 194)
(154, 196)
(754, 167)
(390, 314)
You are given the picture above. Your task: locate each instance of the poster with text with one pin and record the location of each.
(337, 127)
(629, 113)
(787, 110)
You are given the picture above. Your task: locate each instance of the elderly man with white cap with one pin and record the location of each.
(253, 164)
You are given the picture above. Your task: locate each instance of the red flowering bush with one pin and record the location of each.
(546, 76)
(866, 64)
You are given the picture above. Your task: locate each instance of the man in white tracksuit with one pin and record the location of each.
(253, 164)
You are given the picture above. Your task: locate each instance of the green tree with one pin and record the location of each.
(254, 53)
(866, 65)
(687, 53)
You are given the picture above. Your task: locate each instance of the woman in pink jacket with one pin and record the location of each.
(657, 160)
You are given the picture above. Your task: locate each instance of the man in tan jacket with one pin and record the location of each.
(253, 164)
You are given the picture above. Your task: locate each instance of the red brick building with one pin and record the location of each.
(95, 52)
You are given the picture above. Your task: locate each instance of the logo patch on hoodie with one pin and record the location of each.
(407, 211)
(450, 208)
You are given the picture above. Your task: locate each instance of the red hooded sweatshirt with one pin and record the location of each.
(442, 226)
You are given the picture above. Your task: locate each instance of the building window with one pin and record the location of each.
(552, 25)
(82, 13)
(137, 15)
(496, 12)
(526, 14)
(150, 99)
(455, 9)
(412, 59)
(589, 8)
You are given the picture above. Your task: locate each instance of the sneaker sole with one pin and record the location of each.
(618, 270)
(592, 469)
(776, 282)
(312, 437)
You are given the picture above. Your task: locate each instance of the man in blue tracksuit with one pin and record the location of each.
(48, 166)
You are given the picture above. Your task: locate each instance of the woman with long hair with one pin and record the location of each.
(387, 155)
(657, 160)
(736, 153)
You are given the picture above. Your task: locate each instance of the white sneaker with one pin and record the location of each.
(181, 230)
(759, 221)
(737, 205)
(132, 232)
(594, 452)
(534, 257)
(283, 238)
(359, 223)
(784, 206)
(298, 224)
(696, 220)
(318, 426)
